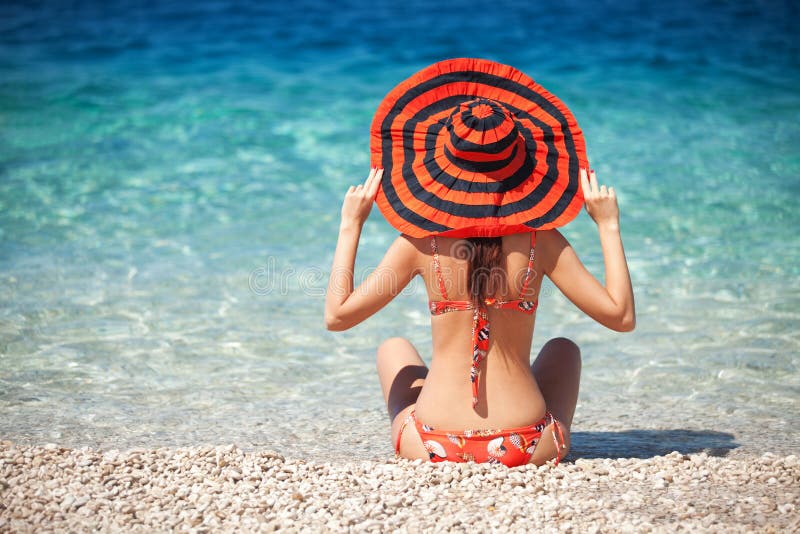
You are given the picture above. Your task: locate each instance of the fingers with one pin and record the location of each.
(589, 184)
(369, 179)
(593, 181)
(375, 174)
(370, 185)
(600, 200)
(372, 188)
(584, 183)
(591, 187)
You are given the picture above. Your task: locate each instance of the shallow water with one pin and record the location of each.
(170, 180)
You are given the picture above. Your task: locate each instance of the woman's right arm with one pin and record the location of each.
(612, 305)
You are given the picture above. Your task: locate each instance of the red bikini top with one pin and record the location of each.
(480, 318)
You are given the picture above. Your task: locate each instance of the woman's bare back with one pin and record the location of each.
(508, 393)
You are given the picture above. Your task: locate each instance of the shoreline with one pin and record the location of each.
(216, 488)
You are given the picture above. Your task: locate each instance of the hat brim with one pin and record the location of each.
(420, 196)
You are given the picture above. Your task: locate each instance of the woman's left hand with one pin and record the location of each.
(359, 198)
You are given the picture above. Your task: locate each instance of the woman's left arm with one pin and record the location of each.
(344, 306)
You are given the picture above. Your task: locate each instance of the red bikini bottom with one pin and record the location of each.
(511, 447)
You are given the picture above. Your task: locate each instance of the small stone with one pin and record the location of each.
(67, 502)
(394, 501)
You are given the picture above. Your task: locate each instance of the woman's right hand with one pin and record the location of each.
(601, 202)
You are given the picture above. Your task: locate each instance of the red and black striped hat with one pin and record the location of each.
(472, 148)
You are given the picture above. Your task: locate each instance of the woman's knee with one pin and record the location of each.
(566, 349)
(390, 347)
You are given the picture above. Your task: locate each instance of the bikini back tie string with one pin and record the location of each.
(480, 314)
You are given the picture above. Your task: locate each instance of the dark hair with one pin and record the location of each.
(485, 274)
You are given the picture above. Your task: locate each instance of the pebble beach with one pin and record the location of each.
(209, 489)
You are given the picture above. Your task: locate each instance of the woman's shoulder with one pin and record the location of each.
(549, 237)
(419, 244)
(406, 248)
(550, 244)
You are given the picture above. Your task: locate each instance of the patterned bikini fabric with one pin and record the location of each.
(511, 447)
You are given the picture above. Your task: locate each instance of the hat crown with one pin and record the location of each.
(481, 131)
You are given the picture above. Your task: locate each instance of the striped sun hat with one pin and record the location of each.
(473, 148)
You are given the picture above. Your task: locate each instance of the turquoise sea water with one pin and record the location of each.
(170, 183)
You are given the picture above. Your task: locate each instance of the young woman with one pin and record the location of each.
(481, 399)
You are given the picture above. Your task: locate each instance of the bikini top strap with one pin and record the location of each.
(437, 268)
(529, 272)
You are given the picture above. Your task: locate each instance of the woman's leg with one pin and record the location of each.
(557, 369)
(402, 374)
